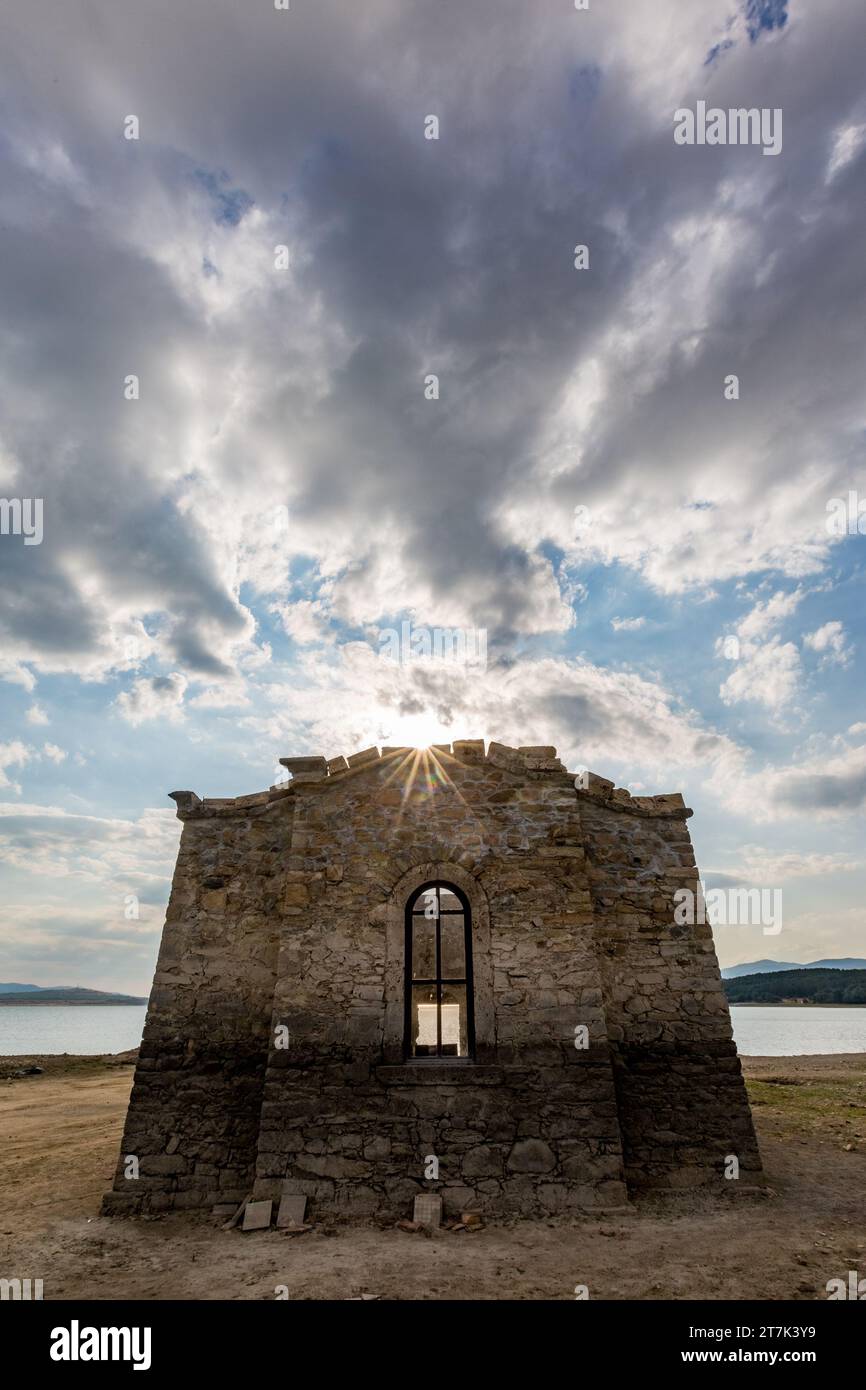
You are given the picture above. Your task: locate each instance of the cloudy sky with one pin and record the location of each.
(649, 562)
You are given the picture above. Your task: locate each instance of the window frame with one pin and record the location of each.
(466, 980)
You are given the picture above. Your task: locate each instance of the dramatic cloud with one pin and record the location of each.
(301, 389)
(283, 373)
(593, 716)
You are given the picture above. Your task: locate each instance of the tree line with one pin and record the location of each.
(815, 986)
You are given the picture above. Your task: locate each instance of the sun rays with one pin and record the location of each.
(422, 773)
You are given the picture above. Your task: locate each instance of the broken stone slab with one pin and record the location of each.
(313, 769)
(292, 1211)
(187, 803)
(428, 1210)
(367, 755)
(308, 763)
(470, 748)
(501, 755)
(671, 801)
(257, 1216)
(591, 782)
(542, 764)
(254, 799)
(338, 764)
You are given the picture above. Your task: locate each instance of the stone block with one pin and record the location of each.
(428, 1209)
(482, 1162)
(531, 1156)
(367, 755)
(187, 803)
(257, 1216)
(296, 895)
(357, 1199)
(155, 1164)
(313, 769)
(401, 1191)
(292, 1212)
(472, 748)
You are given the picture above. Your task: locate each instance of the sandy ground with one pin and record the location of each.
(59, 1138)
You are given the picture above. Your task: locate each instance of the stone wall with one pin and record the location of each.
(533, 1126)
(272, 1058)
(682, 1099)
(193, 1115)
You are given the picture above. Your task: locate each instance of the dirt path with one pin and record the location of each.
(59, 1137)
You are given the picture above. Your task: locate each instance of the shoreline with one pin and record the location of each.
(788, 1004)
(13, 1065)
(59, 1065)
(6, 1003)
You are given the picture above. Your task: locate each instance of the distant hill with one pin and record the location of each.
(761, 967)
(827, 986)
(62, 994)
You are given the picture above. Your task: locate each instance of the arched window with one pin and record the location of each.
(439, 1013)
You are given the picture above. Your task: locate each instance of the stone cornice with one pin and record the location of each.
(531, 763)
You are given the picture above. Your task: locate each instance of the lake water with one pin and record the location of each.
(760, 1030)
(767, 1030)
(81, 1028)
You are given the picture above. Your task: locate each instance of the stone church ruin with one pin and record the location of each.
(457, 954)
